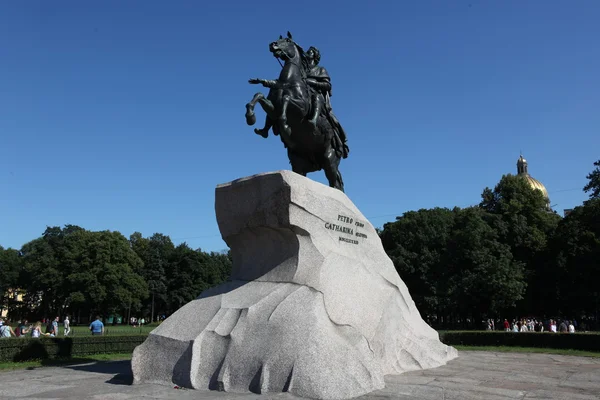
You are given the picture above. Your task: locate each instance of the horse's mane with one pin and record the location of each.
(303, 57)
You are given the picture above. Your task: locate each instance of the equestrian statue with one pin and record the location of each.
(298, 109)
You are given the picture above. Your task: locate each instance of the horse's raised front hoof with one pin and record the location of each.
(262, 132)
(250, 119)
(250, 116)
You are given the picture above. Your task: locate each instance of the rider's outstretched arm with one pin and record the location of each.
(269, 83)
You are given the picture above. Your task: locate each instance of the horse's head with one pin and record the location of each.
(285, 48)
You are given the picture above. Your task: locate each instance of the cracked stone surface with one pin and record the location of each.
(472, 376)
(314, 306)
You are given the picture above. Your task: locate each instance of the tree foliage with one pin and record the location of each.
(453, 263)
(10, 263)
(485, 278)
(523, 223)
(156, 253)
(176, 275)
(574, 252)
(101, 270)
(417, 245)
(80, 272)
(507, 256)
(593, 186)
(519, 215)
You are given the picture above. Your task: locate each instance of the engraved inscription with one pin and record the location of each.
(345, 219)
(343, 239)
(339, 226)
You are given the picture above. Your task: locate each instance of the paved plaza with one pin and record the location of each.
(474, 375)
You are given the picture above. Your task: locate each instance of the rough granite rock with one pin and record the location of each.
(314, 306)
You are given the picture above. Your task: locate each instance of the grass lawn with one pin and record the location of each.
(7, 366)
(84, 330)
(510, 349)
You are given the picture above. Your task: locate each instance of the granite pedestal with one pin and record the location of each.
(314, 306)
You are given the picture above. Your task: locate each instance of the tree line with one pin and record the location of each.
(77, 272)
(507, 257)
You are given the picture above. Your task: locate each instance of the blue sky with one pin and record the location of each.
(126, 115)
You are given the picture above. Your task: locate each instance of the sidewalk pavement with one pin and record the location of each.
(474, 375)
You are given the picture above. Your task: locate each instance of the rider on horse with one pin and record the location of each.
(299, 111)
(319, 82)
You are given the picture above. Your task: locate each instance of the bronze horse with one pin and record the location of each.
(288, 107)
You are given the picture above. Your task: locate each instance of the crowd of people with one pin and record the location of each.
(36, 330)
(24, 328)
(533, 325)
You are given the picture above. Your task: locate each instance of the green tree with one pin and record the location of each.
(176, 275)
(156, 253)
(593, 185)
(483, 277)
(417, 244)
(218, 269)
(43, 275)
(527, 223)
(193, 271)
(574, 253)
(185, 277)
(519, 214)
(10, 266)
(453, 263)
(70, 269)
(101, 270)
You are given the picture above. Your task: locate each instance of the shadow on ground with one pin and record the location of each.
(121, 369)
(102, 367)
(124, 378)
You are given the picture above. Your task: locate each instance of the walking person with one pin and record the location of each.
(67, 326)
(23, 329)
(562, 328)
(6, 331)
(54, 331)
(97, 327)
(36, 332)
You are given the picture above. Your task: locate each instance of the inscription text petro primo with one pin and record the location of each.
(348, 230)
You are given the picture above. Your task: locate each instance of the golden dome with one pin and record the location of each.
(533, 183)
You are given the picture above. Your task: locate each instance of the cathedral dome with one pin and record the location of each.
(533, 183)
